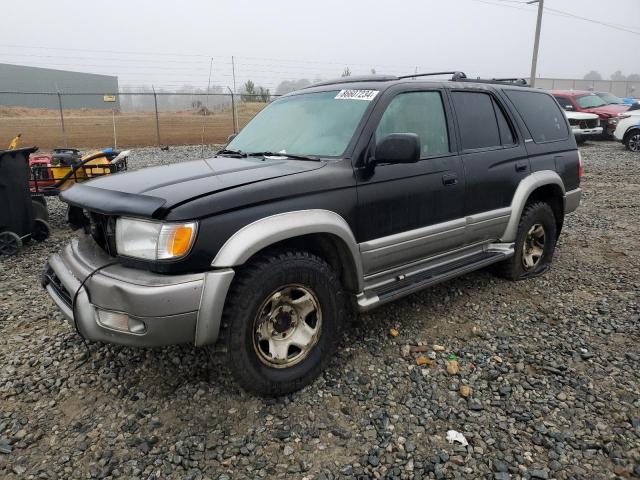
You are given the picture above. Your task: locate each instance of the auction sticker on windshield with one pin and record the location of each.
(366, 95)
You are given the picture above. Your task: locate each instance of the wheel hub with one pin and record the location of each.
(287, 326)
(533, 248)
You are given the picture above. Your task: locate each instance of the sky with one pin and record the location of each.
(171, 44)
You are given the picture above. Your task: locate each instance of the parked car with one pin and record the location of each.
(584, 125)
(628, 130)
(589, 102)
(347, 194)
(611, 99)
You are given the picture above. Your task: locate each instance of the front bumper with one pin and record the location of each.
(162, 309)
(587, 132)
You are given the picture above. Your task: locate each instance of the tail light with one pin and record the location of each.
(580, 168)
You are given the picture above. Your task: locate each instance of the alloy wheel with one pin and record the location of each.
(634, 142)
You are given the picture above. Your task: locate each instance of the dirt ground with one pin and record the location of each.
(95, 127)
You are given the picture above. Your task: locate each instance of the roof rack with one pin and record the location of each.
(455, 75)
(503, 81)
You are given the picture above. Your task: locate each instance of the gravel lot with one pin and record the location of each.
(552, 365)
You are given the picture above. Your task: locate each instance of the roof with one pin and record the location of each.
(571, 93)
(382, 82)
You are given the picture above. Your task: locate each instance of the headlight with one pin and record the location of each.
(152, 240)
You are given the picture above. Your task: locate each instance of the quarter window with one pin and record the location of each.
(477, 120)
(544, 120)
(421, 113)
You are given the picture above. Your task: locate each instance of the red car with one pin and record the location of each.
(589, 102)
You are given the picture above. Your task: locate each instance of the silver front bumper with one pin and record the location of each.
(164, 309)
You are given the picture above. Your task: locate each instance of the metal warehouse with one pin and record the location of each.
(19, 78)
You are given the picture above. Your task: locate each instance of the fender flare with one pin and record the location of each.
(522, 194)
(258, 235)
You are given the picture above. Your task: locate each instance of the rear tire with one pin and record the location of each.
(282, 321)
(534, 245)
(632, 141)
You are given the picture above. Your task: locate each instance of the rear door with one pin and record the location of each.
(494, 159)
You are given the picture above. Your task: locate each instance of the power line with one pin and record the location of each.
(558, 13)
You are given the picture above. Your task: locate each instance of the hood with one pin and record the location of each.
(611, 110)
(580, 115)
(152, 191)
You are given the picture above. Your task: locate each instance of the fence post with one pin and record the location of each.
(64, 132)
(233, 111)
(115, 138)
(155, 102)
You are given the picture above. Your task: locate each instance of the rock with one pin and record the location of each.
(288, 450)
(452, 367)
(465, 391)
(422, 360)
(405, 351)
(393, 332)
(438, 348)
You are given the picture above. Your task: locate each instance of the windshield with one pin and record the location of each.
(610, 98)
(316, 124)
(590, 101)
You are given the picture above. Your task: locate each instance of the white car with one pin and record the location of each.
(628, 130)
(584, 125)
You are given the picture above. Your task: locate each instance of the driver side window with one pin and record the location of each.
(421, 113)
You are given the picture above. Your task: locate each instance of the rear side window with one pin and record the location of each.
(477, 120)
(544, 120)
(421, 113)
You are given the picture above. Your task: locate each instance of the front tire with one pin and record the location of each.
(632, 141)
(282, 321)
(534, 245)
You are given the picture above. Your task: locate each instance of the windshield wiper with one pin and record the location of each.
(278, 154)
(226, 151)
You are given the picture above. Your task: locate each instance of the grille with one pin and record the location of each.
(103, 231)
(593, 123)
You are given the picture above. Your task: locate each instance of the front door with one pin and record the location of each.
(410, 211)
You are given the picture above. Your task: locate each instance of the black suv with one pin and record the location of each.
(336, 198)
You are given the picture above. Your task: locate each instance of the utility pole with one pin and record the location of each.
(536, 43)
(233, 72)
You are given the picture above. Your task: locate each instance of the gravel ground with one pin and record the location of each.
(551, 365)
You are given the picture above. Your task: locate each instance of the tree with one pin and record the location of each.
(593, 75)
(248, 91)
(287, 86)
(618, 76)
(264, 93)
(373, 71)
(633, 77)
(346, 72)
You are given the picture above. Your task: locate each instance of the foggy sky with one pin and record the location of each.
(286, 40)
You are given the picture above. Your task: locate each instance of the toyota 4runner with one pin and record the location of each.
(336, 198)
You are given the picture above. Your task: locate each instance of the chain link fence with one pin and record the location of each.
(620, 88)
(124, 119)
(136, 119)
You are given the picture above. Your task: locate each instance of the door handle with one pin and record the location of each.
(450, 179)
(522, 166)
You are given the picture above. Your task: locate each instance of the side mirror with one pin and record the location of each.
(398, 148)
(231, 137)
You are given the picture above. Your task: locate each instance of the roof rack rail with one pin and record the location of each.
(503, 81)
(353, 79)
(455, 75)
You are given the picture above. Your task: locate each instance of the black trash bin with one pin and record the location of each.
(20, 219)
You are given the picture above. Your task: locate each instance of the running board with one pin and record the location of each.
(405, 285)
